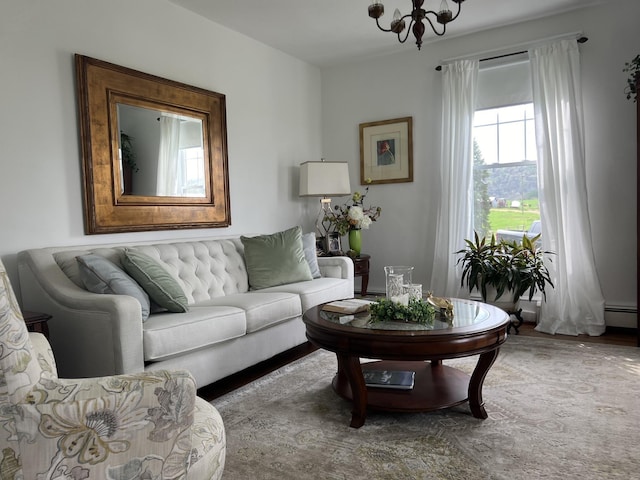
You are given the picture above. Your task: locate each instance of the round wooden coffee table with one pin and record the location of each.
(477, 329)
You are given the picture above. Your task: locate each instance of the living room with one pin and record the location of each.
(282, 111)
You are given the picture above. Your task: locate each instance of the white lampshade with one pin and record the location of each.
(324, 179)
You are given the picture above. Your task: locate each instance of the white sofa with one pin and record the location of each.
(227, 328)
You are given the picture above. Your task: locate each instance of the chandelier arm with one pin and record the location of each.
(381, 27)
(433, 27)
(457, 13)
(408, 30)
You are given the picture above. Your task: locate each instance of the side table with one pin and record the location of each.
(361, 269)
(37, 322)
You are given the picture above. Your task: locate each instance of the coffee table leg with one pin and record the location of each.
(350, 367)
(477, 379)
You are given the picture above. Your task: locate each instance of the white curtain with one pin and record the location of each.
(455, 217)
(168, 180)
(576, 305)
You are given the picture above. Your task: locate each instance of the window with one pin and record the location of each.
(504, 156)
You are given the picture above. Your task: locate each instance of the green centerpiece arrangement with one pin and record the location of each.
(416, 311)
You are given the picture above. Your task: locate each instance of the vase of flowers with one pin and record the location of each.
(353, 217)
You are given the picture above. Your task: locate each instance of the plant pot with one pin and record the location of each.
(506, 301)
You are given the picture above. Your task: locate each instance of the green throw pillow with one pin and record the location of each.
(156, 281)
(275, 259)
(100, 275)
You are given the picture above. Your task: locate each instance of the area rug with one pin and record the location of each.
(557, 410)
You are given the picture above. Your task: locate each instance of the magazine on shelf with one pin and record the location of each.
(349, 306)
(399, 379)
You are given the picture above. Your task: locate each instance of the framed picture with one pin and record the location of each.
(386, 151)
(332, 243)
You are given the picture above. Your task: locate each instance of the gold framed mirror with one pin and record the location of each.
(154, 151)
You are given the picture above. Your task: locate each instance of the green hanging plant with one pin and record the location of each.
(633, 68)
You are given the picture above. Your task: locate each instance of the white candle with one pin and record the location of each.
(401, 299)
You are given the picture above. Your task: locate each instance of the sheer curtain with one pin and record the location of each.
(455, 217)
(576, 304)
(168, 157)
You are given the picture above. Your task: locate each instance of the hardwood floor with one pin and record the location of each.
(613, 336)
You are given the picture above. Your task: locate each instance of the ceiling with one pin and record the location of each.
(329, 32)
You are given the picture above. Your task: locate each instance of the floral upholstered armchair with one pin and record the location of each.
(139, 426)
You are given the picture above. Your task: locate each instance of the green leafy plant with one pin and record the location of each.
(128, 155)
(418, 311)
(507, 266)
(633, 68)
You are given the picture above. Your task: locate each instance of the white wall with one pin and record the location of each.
(273, 113)
(406, 84)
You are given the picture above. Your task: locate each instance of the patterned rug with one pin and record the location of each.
(557, 410)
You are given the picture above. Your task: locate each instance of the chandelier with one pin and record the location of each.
(418, 15)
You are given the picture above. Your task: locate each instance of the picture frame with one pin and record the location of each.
(332, 244)
(386, 151)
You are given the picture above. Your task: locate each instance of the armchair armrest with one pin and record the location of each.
(336, 267)
(108, 425)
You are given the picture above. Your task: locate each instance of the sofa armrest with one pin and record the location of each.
(91, 334)
(336, 267)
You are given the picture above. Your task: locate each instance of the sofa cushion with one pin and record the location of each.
(167, 334)
(275, 259)
(100, 275)
(321, 290)
(309, 247)
(261, 309)
(156, 281)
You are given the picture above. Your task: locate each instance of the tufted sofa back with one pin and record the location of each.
(205, 269)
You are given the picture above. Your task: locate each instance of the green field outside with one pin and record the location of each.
(514, 218)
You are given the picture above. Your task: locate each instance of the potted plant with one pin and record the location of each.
(497, 268)
(633, 69)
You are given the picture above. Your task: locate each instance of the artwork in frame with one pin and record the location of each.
(386, 151)
(332, 243)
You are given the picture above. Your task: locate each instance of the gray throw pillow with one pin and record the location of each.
(275, 259)
(309, 246)
(100, 275)
(156, 281)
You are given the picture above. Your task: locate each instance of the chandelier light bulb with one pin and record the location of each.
(397, 24)
(376, 9)
(444, 15)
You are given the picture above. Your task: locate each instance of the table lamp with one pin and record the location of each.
(325, 180)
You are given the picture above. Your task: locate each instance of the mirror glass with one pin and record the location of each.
(161, 153)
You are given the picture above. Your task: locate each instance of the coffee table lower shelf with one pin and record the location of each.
(436, 386)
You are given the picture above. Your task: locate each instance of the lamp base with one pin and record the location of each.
(323, 224)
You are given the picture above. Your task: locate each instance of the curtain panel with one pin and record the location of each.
(576, 304)
(455, 216)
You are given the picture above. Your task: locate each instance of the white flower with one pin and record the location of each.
(365, 222)
(355, 216)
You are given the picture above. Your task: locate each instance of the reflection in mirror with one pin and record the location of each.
(161, 153)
